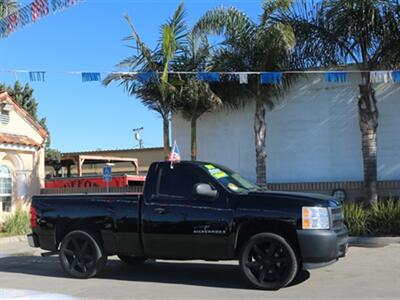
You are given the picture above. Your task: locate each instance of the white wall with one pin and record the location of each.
(389, 131)
(313, 134)
(226, 138)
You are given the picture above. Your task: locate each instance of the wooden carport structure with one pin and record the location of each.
(80, 160)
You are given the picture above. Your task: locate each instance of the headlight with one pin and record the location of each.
(315, 218)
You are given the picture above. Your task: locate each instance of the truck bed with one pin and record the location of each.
(115, 216)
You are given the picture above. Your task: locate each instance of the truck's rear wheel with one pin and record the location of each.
(81, 255)
(267, 261)
(132, 260)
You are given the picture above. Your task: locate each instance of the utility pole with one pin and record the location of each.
(138, 137)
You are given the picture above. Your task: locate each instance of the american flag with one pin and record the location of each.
(175, 156)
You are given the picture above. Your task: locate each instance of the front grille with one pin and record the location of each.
(337, 218)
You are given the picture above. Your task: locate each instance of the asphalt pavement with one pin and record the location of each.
(366, 273)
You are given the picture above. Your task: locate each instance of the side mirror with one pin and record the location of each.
(205, 190)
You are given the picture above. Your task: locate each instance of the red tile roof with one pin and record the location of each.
(14, 139)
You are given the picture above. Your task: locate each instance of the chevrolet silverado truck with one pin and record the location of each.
(193, 210)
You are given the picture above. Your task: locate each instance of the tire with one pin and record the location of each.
(268, 262)
(81, 255)
(132, 260)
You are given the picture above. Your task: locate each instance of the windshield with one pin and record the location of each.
(229, 179)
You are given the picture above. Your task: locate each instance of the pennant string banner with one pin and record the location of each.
(31, 13)
(336, 76)
(266, 78)
(396, 76)
(243, 78)
(36, 76)
(147, 77)
(91, 77)
(208, 76)
(271, 78)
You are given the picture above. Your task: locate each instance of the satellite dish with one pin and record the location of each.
(137, 136)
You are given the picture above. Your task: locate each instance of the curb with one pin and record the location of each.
(12, 239)
(373, 241)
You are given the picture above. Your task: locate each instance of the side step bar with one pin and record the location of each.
(48, 254)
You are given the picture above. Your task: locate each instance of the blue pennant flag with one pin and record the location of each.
(36, 76)
(91, 77)
(61, 4)
(146, 77)
(396, 76)
(25, 15)
(336, 76)
(208, 76)
(3, 28)
(271, 78)
(229, 77)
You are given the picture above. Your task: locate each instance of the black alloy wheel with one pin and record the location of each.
(268, 262)
(81, 255)
(132, 260)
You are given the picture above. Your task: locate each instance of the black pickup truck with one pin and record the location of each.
(193, 210)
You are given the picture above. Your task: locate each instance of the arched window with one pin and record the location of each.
(5, 189)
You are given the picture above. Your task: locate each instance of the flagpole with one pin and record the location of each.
(171, 154)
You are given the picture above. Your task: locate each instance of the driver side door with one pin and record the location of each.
(178, 224)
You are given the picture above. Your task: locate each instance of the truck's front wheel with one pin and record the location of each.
(81, 255)
(267, 261)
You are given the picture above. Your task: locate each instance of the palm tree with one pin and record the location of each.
(156, 92)
(364, 34)
(7, 7)
(251, 46)
(196, 97)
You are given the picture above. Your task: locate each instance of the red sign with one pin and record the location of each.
(96, 181)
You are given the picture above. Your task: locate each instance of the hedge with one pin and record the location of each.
(382, 219)
(17, 224)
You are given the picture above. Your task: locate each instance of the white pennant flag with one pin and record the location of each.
(381, 77)
(243, 78)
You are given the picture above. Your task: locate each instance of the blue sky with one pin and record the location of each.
(88, 37)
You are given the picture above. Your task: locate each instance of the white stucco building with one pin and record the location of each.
(313, 135)
(21, 156)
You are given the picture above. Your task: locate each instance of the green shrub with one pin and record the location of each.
(18, 223)
(356, 218)
(385, 218)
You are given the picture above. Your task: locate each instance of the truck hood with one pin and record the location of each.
(301, 199)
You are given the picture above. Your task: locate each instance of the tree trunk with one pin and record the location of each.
(368, 117)
(167, 148)
(193, 142)
(260, 128)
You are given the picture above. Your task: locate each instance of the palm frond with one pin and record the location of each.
(230, 22)
(273, 7)
(143, 50)
(7, 7)
(341, 32)
(178, 25)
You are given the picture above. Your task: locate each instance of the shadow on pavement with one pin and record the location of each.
(199, 274)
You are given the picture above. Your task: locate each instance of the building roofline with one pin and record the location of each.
(111, 150)
(24, 114)
(16, 139)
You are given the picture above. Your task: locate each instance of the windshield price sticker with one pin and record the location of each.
(215, 172)
(219, 174)
(233, 186)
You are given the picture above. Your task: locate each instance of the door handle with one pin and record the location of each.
(160, 210)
